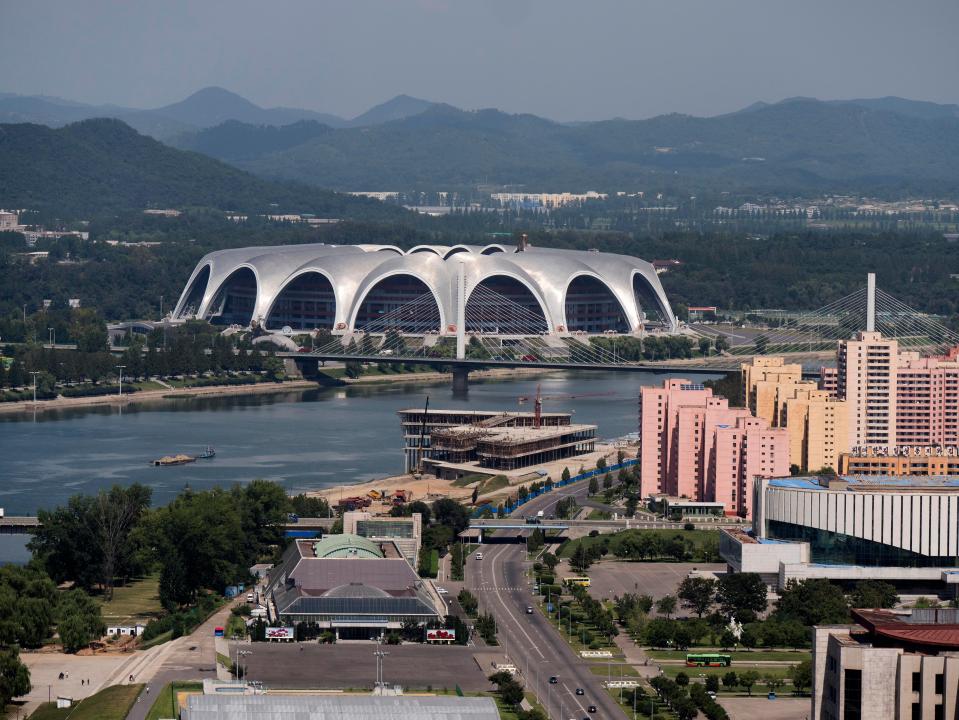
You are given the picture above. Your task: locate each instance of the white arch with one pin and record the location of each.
(631, 321)
(360, 299)
(424, 248)
(212, 295)
(528, 284)
(294, 276)
(492, 249)
(659, 295)
(189, 287)
(457, 249)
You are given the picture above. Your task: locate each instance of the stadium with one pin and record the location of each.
(345, 288)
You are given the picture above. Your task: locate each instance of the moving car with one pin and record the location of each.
(442, 591)
(479, 556)
(529, 609)
(580, 691)
(553, 680)
(591, 709)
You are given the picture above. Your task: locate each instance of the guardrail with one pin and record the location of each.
(621, 683)
(510, 507)
(596, 653)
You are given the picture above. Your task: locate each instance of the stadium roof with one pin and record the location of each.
(281, 707)
(856, 483)
(351, 272)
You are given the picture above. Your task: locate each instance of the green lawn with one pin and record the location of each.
(138, 601)
(696, 537)
(781, 671)
(166, 705)
(616, 670)
(494, 483)
(112, 703)
(795, 656)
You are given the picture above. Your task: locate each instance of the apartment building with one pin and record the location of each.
(693, 445)
(867, 370)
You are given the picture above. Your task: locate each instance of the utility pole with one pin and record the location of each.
(871, 302)
(120, 367)
(52, 336)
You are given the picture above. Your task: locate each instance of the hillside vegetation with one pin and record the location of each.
(104, 165)
(801, 146)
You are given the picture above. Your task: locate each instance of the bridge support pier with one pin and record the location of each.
(461, 380)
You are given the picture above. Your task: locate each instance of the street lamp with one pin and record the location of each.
(52, 336)
(34, 373)
(120, 368)
(379, 655)
(243, 654)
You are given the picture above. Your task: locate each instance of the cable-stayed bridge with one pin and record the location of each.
(494, 330)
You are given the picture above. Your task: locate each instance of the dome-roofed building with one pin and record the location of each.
(349, 585)
(346, 546)
(342, 288)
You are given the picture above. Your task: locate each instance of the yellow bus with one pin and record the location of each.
(581, 581)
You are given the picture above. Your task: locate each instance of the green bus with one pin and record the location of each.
(708, 660)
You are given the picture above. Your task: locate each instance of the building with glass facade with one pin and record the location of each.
(904, 530)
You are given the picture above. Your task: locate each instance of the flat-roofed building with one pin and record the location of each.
(404, 532)
(866, 378)
(230, 706)
(763, 382)
(902, 530)
(916, 460)
(889, 664)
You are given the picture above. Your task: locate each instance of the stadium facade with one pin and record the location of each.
(342, 288)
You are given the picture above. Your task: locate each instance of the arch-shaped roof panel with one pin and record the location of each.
(353, 270)
(346, 545)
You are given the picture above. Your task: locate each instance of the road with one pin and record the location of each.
(530, 642)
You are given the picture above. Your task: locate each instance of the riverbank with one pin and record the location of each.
(153, 396)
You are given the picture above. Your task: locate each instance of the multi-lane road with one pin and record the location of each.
(534, 646)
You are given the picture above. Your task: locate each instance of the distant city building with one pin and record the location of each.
(902, 530)
(906, 460)
(698, 312)
(889, 664)
(694, 446)
(546, 200)
(10, 221)
(169, 212)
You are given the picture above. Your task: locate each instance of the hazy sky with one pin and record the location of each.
(565, 60)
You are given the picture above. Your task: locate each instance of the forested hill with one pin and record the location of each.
(103, 165)
(797, 146)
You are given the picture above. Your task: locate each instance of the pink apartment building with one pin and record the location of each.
(694, 445)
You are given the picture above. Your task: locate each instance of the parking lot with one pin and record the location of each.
(759, 708)
(352, 665)
(610, 578)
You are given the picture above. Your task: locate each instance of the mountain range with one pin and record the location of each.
(104, 166)
(883, 146)
(886, 146)
(203, 109)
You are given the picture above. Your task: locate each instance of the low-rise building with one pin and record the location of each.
(889, 664)
(404, 532)
(351, 586)
(235, 704)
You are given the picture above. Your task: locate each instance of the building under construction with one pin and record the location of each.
(497, 445)
(419, 425)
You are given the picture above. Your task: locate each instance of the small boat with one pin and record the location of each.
(206, 454)
(167, 460)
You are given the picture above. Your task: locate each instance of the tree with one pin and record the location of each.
(27, 600)
(550, 561)
(565, 476)
(685, 708)
(601, 464)
(659, 632)
(697, 592)
(741, 594)
(712, 683)
(115, 515)
(14, 675)
(682, 637)
(748, 679)
(593, 485)
(682, 679)
(468, 602)
(581, 560)
(452, 514)
(704, 345)
(607, 481)
(801, 676)
(873, 594)
(79, 621)
(722, 343)
(772, 682)
(666, 605)
(812, 602)
(536, 540)
(730, 680)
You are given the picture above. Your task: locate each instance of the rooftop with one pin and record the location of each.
(275, 707)
(345, 545)
(865, 483)
(929, 628)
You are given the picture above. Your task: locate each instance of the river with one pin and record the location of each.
(305, 440)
